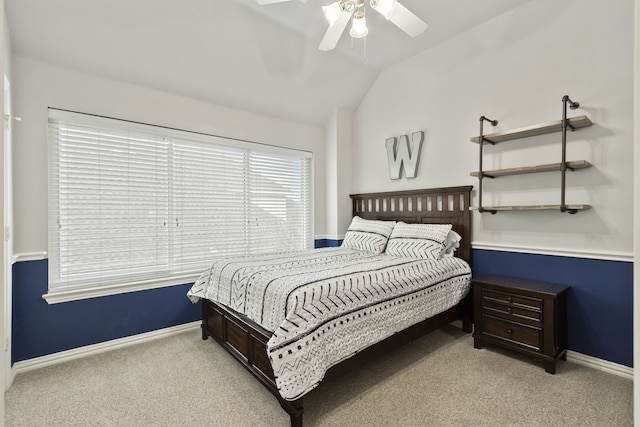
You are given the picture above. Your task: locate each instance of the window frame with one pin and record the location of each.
(57, 294)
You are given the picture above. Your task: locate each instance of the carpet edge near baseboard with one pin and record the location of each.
(76, 353)
(90, 350)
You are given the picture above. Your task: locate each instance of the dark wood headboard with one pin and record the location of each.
(429, 206)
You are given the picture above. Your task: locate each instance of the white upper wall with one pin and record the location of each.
(37, 85)
(516, 69)
(339, 177)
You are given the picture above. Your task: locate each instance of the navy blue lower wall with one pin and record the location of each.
(40, 328)
(600, 302)
(327, 243)
(600, 308)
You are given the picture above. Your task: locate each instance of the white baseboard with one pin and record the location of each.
(589, 361)
(599, 364)
(76, 353)
(11, 375)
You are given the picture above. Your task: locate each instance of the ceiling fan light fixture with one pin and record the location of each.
(359, 25)
(340, 12)
(384, 7)
(332, 12)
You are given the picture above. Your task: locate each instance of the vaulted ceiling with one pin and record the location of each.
(236, 53)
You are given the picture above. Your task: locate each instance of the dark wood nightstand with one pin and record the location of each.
(522, 315)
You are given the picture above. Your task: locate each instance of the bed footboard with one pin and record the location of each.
(247, 343)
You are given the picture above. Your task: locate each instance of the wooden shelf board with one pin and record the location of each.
(539, 129)
(551, 167)
(572, 207)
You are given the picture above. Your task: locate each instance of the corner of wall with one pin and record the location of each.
(339, 168)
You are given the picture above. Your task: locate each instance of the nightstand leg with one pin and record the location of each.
(476, 344)
(550, 367)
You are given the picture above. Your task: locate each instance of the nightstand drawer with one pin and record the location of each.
(511, 312)
(520, 334)
(513, 299)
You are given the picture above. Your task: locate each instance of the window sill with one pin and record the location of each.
(60, 296)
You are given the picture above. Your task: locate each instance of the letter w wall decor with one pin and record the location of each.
(399, 155)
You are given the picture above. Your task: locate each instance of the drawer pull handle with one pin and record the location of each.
(509, 331)
(509, 310)
(509, 299)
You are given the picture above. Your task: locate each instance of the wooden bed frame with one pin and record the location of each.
(247, 341)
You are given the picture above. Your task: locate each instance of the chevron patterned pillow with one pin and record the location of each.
(423, 241)
(368, 235)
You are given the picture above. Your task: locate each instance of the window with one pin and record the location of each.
(136, 206)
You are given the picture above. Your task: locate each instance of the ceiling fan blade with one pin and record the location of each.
(407, 21)
(334, 32)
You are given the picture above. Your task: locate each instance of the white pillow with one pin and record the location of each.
(451, 243)
(368, 235)
(422, 241)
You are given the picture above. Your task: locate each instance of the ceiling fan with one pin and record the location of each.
(340, 12)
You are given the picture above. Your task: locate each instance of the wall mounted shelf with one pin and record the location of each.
(552, 167)
(535, 130)
(569, 208)
(540, 129)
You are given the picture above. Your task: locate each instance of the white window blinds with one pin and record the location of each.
(132, 203)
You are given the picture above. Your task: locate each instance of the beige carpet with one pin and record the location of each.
(439, 380)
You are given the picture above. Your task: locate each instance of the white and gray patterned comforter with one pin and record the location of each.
(324, 305)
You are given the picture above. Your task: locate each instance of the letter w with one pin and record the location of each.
(402, 155)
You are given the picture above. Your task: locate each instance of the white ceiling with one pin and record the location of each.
(262, 59)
